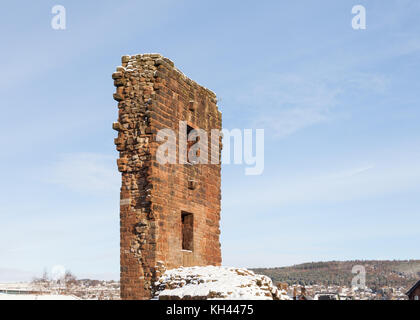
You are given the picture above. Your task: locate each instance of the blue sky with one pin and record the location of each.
(340, 109)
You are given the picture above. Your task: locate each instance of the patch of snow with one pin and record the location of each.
(4, 296)
(211, 282)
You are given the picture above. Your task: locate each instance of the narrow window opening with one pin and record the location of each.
(192, 106)
(190, 144)
(187, 231)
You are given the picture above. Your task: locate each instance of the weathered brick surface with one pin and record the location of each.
(152, 95)
(415, 293)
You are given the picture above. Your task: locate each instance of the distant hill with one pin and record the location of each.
(379, 273)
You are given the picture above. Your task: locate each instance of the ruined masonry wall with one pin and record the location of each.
(152, 95)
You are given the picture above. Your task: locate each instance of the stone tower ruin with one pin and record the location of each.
(169, 213)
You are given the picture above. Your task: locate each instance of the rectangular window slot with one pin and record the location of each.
(190, 144)
(187, 230)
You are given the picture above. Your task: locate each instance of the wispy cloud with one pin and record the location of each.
(298, 101)
(351, 172)
(377, 83)
(88, 173)
(326, 187)
(294, 101)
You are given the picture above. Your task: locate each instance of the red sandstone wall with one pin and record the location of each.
(416, 292)
(154, 95)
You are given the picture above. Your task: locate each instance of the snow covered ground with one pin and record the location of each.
(4, 296)
(212, 282)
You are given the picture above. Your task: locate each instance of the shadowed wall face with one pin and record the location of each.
(169, 212)
(415, 294)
